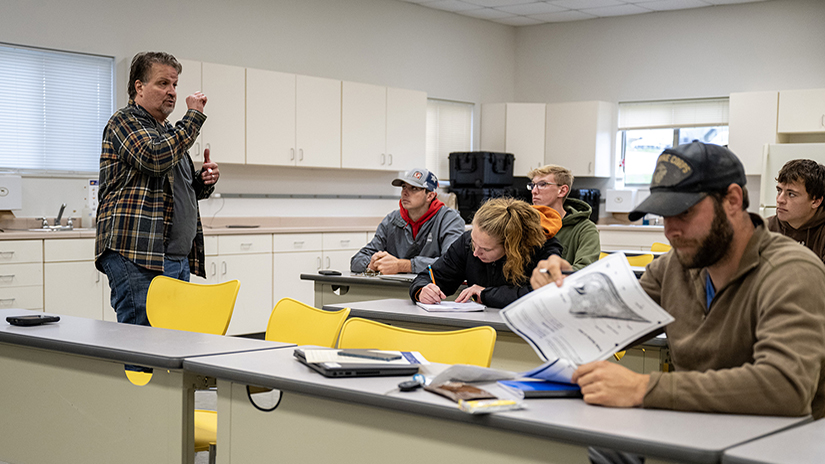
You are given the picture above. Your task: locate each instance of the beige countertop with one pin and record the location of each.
(18, 230)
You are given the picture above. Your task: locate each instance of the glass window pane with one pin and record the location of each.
(642, 148)
(714, 134)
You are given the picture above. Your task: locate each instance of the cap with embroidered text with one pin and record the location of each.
(686, 174)
(418, 177)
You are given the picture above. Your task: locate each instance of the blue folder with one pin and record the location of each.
(544, 388)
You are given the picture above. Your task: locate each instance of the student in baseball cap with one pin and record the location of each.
(749, 329)
(414, 236)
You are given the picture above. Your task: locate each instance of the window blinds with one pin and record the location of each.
(53, 108)
(675, 113)
(449, 129)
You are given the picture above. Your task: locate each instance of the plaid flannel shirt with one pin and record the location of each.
(135, 210)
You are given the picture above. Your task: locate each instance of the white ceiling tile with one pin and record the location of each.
(569, 15)
(532, 8)
(663, 5)
(621, 10)
(583, 4)
(518, 21)
(495, 3)
(451, 5)
(487, 13)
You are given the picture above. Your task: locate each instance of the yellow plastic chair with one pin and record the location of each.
(640, 260)
(294, 322)
(175, 304)
(603, 255)
(660, 247)
(466, 346)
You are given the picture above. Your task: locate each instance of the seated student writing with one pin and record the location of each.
(495, 258)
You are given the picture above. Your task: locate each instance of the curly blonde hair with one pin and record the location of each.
(517, 226)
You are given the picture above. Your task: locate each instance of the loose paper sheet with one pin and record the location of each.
(598, 311)
(452, 306)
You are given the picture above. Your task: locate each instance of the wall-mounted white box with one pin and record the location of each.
(620, 201)
(11, 193)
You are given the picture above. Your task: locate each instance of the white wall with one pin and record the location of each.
(701, 52)
(384, 42)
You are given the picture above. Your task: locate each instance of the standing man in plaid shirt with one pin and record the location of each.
(148, 222)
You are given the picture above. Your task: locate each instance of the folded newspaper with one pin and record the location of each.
(598, 311)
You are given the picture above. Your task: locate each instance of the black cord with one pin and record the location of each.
(249, 395)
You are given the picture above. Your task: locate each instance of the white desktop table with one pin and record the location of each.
(366, 420)
(511, 351)
(65, 396)
(800, 445)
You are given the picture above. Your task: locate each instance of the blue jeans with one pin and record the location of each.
(130, 283)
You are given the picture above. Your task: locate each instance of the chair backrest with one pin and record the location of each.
(603, 255)
(466, 346)
(640, 260)
(179, 305)
(658, 247)
(294, 322)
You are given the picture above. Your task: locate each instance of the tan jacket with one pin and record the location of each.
(761, 347)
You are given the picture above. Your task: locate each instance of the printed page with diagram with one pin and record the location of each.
(598, 311)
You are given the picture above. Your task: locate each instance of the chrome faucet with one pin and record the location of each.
(59, 215)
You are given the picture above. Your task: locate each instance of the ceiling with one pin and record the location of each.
(531, 12)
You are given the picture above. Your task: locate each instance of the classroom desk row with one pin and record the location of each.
(66, 396)
(511, 352)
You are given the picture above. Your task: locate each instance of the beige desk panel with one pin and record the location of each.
(60, 408)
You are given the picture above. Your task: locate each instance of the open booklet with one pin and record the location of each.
(598, 311)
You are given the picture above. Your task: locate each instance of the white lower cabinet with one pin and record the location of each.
(296, 254)
(247, 258)
(21, 274)
(71, 283)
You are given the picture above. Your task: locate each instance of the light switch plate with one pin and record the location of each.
(11, 193)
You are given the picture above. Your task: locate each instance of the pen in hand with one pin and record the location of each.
(432, 276)
(563, 272)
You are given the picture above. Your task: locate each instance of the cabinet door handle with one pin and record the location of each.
(300, 154)
(383, 158)
(7, 278)
(390, 158)
(298, 244)
(198, 150)
(214, 269)
(208, 147)
(7, 302)
(822, 120)
(328, 263)
(292, 154)
(318, 266)
(223, 267)
(97, 277)
(590, 167)
(6, 254)
(344, 242)
(246, 245)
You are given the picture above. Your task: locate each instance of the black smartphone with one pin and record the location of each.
(329, 272)
(31, 320)
(370, 354)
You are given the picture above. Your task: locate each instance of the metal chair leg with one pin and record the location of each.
(212, 453)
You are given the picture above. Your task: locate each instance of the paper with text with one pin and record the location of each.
(452, 306)
(598, 311)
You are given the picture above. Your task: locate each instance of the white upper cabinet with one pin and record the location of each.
(517, 128)
(224, 130)
(382, 128)
(802, 111)
(580, 136)
(406, 129)
(318, 122)
(189, 82)
(752, 124)
(363, 126)
(270, 118)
